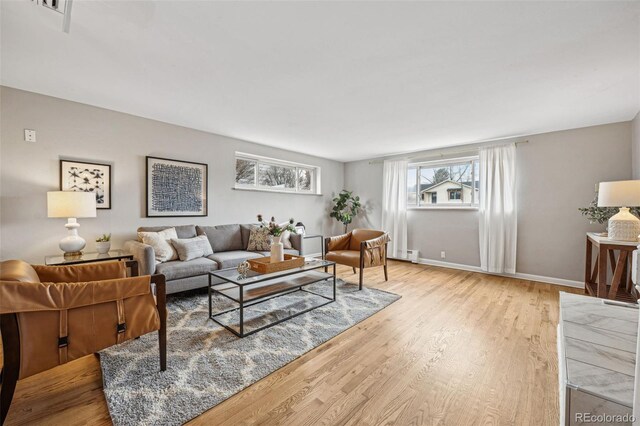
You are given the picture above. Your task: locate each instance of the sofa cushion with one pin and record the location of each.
(192, 248)
(179, 269)
(160, 241)
(223, 237)
(231, 259)
(259, 239)
(245, 230)
(286, 251)
(183, 231)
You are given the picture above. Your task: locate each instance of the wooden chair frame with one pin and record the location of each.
(11, 342)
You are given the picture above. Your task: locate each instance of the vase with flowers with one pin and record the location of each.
(276, 231)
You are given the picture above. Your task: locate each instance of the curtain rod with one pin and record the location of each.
(442, 154)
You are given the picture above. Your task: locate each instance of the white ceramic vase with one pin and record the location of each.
(277, 250)
(103, 247)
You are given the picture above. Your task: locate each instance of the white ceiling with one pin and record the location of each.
(342, 80)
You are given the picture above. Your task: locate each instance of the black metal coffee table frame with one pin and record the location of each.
(278, 281)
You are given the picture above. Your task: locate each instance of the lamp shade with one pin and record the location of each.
(622, 193)
(71, 204)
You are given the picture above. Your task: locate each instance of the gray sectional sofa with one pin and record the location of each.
(229, 243)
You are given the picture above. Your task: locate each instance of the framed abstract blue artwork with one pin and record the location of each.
(176, 188)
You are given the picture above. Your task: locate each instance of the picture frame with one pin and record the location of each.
(176, 188)
(83, 176)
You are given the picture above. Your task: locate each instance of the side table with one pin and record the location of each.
(311, 236)
(595, 279)
(91, 257)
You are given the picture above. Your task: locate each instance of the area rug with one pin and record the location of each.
(207, 364)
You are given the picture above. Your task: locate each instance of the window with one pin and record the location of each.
(268, 174)
(455, 194)
(450, 183)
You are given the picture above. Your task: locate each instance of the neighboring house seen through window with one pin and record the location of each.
(450, 183)
(268, 174)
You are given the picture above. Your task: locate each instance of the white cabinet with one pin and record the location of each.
(596, 360)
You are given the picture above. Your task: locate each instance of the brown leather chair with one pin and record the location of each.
(360, 248)
(50, 315)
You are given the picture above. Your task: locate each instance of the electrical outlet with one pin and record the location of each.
(443, 255)
(29, 135)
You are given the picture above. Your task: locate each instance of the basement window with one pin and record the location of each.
(444, 184)
(254, 172)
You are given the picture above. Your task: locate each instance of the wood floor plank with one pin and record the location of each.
(458, 348)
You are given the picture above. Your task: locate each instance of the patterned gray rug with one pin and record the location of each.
(207, 364)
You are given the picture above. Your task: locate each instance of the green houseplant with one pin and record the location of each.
(602, 215)
(346, 207)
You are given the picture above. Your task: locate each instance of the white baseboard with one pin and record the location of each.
(518, 275)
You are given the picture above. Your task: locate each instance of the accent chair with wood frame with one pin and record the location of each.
(360, 248)
(50, 315)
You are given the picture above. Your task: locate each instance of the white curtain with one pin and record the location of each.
(394, 206)
(498, 209)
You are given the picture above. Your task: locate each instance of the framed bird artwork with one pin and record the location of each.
(87, 177)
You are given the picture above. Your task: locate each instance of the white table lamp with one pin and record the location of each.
(624, 226)
(71, 205)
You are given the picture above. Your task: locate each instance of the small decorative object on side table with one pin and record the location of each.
(59, 260)
(103, 243)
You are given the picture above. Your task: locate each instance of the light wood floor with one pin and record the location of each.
(459, 348)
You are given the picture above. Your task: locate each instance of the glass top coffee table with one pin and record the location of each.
(275, 297)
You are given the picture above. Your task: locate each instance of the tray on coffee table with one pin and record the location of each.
(263, 265)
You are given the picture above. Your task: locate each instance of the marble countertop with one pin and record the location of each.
(600, 346)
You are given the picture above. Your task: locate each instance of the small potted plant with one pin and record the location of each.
(103, 243)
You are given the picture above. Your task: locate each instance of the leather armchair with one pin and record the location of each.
(50, 315)
(360, 248)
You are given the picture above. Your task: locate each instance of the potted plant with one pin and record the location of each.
(275, 230)
(103, 243)
(345, 208)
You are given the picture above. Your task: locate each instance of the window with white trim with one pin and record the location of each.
(446, 183)
(270, 174)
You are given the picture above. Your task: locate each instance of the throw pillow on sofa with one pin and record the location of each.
(192, 248)
(161, 243)
(259, 239)
(286, 237)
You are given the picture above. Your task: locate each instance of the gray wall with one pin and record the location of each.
(557, 173)
(635, 158)
(76, 131)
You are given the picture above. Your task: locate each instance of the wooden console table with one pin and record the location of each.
(617, 254)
